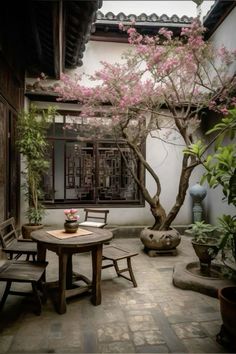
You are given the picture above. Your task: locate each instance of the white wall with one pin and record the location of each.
(224, 35)
(95, 53)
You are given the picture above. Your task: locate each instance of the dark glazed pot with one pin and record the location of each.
(206, 253)
(227, 335)
(71, 226)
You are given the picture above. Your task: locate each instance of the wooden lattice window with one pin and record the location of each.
(88, 171)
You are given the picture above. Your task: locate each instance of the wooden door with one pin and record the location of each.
(9, 163)
(3, 160)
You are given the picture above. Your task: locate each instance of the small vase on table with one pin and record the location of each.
(71, 223)
(71, 226)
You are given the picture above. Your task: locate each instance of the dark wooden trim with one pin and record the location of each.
(35, 32)
(213, 28)
(57, 37)
(104, 38)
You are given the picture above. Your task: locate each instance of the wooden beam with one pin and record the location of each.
(35, 32)
(104, 38)
(57, 14)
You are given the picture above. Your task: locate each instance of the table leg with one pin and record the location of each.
(63, 257)
(41, 252)
(69, 272)
(41, 256)
(96, 281)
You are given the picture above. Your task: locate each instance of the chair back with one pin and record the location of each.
(95, 217)
(7, 232)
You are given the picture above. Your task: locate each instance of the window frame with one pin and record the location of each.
(96, 202)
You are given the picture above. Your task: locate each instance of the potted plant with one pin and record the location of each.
(159, 91)
(31, 143)
(205, 244)
(221, 172)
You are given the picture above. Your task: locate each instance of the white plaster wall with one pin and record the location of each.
(95, 53)
(225, 32)
(224, 35)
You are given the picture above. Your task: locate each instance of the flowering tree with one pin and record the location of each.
(164, 84)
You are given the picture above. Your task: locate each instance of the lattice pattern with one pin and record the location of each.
(90, 172)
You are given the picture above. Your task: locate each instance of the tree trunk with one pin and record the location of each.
(158, 213)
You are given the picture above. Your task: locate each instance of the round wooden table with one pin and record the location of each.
(65, 248)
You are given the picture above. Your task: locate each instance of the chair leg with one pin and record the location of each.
(37, 297)
(43, 292)
(131, 272)
(5, 294)
(116, 268)
(27, 257)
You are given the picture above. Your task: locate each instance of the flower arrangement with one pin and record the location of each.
(71, 214)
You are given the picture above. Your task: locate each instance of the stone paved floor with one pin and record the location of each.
(155, 317)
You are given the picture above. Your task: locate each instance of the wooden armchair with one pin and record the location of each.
(23, 272)
(14, 246)
(95, 218)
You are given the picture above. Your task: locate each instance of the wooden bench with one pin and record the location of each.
(23, 272)
(95, 217)
(14, 246)
(115, 254)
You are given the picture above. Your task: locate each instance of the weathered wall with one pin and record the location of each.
(224, 35)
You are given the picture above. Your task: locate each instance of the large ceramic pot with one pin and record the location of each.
(160, 240)
(26, 229)
(227, 298)
(71, 226)
(206, 252)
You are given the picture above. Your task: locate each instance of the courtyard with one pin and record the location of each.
(105, 109)
(155, 317)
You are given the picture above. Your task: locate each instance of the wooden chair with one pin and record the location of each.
(110, 253)
(115, 254)
(12, 244)
(92, 215)
(23, 272)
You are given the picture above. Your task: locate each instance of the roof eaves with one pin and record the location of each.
(216, 15)
(110, 17)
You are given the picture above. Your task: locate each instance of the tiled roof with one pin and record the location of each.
(153, 18)
(106, 25)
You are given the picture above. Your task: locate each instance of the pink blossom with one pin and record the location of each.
(131, 30)
(121, 26)
(167, 34)
(70, 214)
(156, 72)
(224, 111)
